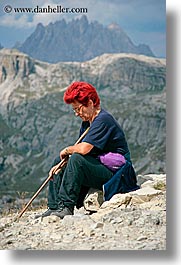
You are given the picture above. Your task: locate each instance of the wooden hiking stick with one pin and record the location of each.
(57, 169)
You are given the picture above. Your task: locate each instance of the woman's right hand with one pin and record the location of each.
(57, 168)
(54, 171)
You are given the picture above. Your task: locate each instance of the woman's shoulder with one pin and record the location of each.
(108, 119)
(105, 116)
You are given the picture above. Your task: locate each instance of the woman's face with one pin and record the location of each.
(84, 112)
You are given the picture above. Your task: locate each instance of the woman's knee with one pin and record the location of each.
(76, 158)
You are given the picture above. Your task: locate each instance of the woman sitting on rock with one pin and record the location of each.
(95, 160)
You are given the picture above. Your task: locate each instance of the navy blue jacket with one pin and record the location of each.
(124, 180)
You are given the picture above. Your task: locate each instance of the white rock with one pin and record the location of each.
(144, 195)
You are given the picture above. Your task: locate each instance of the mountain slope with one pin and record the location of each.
(35, 123)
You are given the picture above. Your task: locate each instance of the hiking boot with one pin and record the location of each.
(62, 212)
(48, 212)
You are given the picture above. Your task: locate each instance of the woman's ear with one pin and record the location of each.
(90, 103)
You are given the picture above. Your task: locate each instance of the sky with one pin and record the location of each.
(144, 21)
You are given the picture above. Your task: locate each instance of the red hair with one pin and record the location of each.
(82, 92)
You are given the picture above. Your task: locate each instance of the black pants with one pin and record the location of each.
(80, 171)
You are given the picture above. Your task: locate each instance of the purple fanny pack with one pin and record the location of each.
(113, 161)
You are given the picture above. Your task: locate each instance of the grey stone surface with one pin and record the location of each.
(136, 226)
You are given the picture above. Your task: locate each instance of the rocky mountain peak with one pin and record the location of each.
(83, 24)
(39, 26)
(78, 40)
(114, 26)
(83, 20)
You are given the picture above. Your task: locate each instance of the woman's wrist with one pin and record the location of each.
(67, 151)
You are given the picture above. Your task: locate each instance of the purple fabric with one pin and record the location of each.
(113, 161)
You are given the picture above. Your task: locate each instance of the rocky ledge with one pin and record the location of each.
(131, 221)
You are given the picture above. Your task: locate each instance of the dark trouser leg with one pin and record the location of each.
(81, 170)
(53, 190)
(54, 186)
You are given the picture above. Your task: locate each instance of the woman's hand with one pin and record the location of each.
(57, 168)
(64, 153)
(53, 171)
(81, 148)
